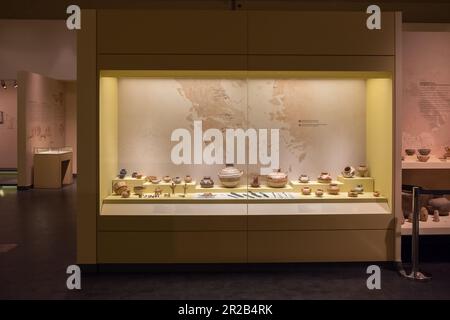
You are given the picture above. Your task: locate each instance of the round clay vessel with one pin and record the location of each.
(188, 179)
(423, 158)
(333, 189)
(277, 179)
(176, 180)
(255, 182)
(167, 179)
(306, 191)
(122, 174)
(348, 172)
(359, 188)
(134, 174)
(424, 151)
(155, 180)
(150, 178)
(410, 152)
(324, 177)
(119, 187)
(319, 192)
(353, 193)
(303, 178)
(362, 170)
(230, 176)
(139, 176)
(206, 182)
(126, 194)
(376, 193)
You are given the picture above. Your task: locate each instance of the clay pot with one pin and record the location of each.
(139, 176)
(188, 179)
(324, 177)
(303, 178)
(348, 172)
(134, 174)
(359, 188)
(119, 187)
(353, 193)
(122, 173)
(442, 205)
(376, 193)
(424, 151)
(167, 179)
(436, 216)
(230, 176)
(333, 189)
(176, 180)
(277, 179)
(206, 182)
(155, 180)
(125, 194)
(306, 191)
(423, 214)
(150, 178)
(410, 152)
(319, 192)
(138, 190)
(362, 170)
(423, 158)
(255, 182)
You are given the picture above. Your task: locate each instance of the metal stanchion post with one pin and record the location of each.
(415, 273)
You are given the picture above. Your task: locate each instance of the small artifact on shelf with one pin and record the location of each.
(410, 217)
(319, 192)
(119, 187)
(324, 177)
(424, 151)
(423, 158)
(138, 190)
(172, 187)
(185, 186)
(206, 182)
(348, 172)
(447, 152)
(139, 176)
(303, 178)
(126, 194)
(442, 205)
(167, 195)
(158, 192)
(188, 179)
(149, 178)
(410, 152)
(155, 180)
(207, 195)
(423, 214)
(333, 189)
(230, 176)
(167, 179)
(353, 193)
(134, 174)
(359, 188)
(376, 193)
(306, 191)
(255, 182)
(176, 180)
(362, 170)
(436, 216)
(277, 179)
(122, 173)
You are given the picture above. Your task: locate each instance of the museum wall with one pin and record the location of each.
(8, 127)
(41, 119)
(426, 91)
(321, 122)
(42, 46)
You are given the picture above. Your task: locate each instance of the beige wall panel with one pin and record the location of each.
(321, 63)
(87, 141)
(166, 32)
(171, 62)
(320, 246)
(172, 247)
(318, 33)
(173, 223)
(320, 222)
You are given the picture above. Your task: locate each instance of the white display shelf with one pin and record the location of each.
(429, 227)
(434, 162)
(242, 188)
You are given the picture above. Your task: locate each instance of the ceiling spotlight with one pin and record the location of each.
(3, 83)
(15, 84)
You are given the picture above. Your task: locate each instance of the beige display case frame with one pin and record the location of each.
(113, 43)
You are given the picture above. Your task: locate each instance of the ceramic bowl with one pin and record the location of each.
(376, 193)
(353, 193)
(306, 191)
(167, 179)
(423, 158)
(424, 152)
(319, 192)
(155, 180)
(410, 152)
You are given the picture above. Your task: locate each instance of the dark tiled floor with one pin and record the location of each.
(42, 224)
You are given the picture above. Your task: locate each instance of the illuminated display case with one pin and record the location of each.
(236, 157)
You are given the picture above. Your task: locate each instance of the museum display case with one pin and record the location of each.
(235, 151)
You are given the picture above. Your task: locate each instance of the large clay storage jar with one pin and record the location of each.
(277, 179)
(206, 182)
(230, 176)
(333, 189)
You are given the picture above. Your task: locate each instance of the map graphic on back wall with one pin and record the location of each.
(150, 109)
(426, 91)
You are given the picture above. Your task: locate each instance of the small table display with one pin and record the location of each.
(52, 167)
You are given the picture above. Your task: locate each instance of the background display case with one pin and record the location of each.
(326, 119)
